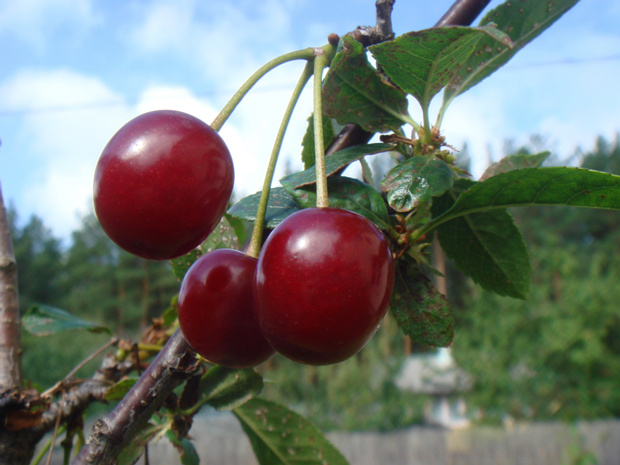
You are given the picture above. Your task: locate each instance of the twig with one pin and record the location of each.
(51, 391)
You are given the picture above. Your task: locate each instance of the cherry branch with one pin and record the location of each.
(461, 13)
(174, 364)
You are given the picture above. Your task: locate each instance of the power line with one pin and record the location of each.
(272, 88)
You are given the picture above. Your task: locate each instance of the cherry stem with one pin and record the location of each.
(257, 232)
(220, 119)
(322, 60)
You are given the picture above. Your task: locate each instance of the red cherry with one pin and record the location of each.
(216, 310)
(162, 184)
(324, 280)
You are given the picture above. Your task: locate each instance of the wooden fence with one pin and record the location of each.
(219, 440)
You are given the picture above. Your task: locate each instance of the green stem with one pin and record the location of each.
(220, 119)
(257, 232)
(320, 63)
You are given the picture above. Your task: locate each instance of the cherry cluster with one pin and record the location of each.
(318, 289)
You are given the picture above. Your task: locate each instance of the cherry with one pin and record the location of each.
(162, 184)
(324, 280)
(216, 310)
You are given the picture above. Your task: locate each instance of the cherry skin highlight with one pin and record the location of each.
(216, 310)
(162, 184)
(324, 280)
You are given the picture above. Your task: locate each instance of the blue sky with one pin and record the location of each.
(74, 71)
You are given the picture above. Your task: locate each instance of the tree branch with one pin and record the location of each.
(462, 13)
(175, 363)
(10, 336)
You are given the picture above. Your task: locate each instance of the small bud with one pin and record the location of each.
(333, 39)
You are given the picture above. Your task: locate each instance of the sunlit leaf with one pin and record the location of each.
(355, 93)
(415, 181)
(422, 62)
(279, 207)
(523, 21)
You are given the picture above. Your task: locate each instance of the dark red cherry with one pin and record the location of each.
(216, 310)
(162, 184)
(324, 280)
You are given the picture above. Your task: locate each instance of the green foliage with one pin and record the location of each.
(355, 93)
(415, 182)
(422, 62)
(43, 320)
(554, 356)
(280, 436)
(355, 395)
(523, 22)
(420, 309)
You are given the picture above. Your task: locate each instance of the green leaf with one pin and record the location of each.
(280, 436)
(523, 21)
(421, 311)
(422, 62)
(225, 388)
(354, 92)
(335, 163)
(515, 162)
(43, 320)
(228, 234)
(279, 207)
(575, 187)
(185, 447)
(489, 248)
(348, 194)
(329, 134)
(415, 181)
(134, 450)
(118, 391)
(224, 236)
(181, 264)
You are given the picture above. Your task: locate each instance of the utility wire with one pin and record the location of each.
(112, 103)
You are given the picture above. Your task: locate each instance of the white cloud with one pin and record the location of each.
(64, 143)
(33, 20)
(227, 41)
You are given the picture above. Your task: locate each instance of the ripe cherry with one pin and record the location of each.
(216, 310)
(162, 184)
(324, 280)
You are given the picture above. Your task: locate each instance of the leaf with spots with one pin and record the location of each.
(421, 311)
(422, 62)
(228, 234)
(280, 436)
(522, 21)
(415, 181)
(348, 194)
(226, 388)
(279, 207)
(354, 92)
